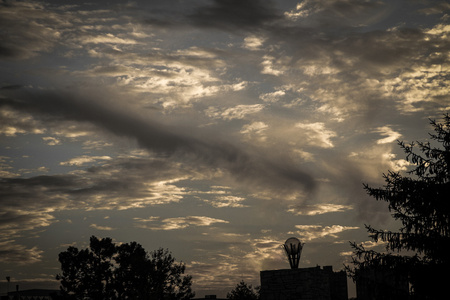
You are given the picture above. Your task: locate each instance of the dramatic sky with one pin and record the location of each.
(214, 128)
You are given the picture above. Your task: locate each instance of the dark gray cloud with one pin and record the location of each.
(27, 29)
(274, 174)
(338, 15)
(235, 14)
(436, 8)
(18, 254)
(28, 204)
(226, 15)
(67, 191)
(269, 16)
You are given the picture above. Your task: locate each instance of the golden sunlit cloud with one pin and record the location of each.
(318, 209)
(103, 228)
(270, 66)
(85, 159)
(237, 112)
(226, 201)
(51, 141)
(391, 135)
(177, 223)
(317, 134)
(253, 42)
(312, 232)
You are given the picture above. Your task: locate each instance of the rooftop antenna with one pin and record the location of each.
(293, 248)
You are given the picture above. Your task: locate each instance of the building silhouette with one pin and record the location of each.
(33, 294)
(314, 283)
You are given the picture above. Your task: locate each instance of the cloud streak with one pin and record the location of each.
(12, 253)
(177, 223)
(274, 176)
(29, 204)
(312, 232)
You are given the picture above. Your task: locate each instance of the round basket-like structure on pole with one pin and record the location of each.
(293, 248)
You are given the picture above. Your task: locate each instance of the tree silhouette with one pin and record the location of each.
(87, 273)
(421, 201)
(108, 271)
(133, 274)
(242, 291)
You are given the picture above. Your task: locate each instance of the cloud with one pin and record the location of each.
(96, 144)
(226, 201)
(85, 159)
(174, 79)
(6, 168)
(312, 232)
(20, 210)
(316, 134)
(234, 15)
(437, 8)
(372, 244)
(103, 228)
(12, 253)
(107, 39)
(253, 42)
(391, 135)
(345, 72)
(234, 257)
(119, 184)
(254, 128)
(248, 168)
(177, 223)
(218, 274)
(13, 122)
(318, 209)
(381, 155)
(339, 12)
(237, 112)
(51, 141)
(272, 97)
(350, 68)
(28, 29)
(304, 155)
(271, 66)
(219, 197)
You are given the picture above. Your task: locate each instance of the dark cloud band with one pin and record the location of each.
(250, 168)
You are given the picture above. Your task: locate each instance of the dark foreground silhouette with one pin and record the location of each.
(106, 271)
(421, 201)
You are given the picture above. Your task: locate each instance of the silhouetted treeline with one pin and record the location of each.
(243, 291)
(106, 271)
